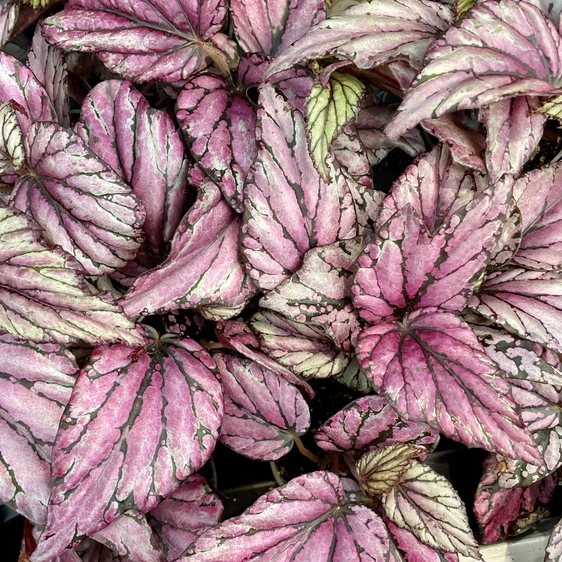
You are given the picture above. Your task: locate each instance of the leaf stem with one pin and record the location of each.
(304, 451)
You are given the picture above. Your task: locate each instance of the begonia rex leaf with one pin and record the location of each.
(12, 152)
(8, 17)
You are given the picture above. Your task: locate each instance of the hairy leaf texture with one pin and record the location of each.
(271, 26)
(137, 425)
(203, 267)
(262, 411)
(316, 516)
(43, 296)
(370, 423)
(81, 204)
(164, 40)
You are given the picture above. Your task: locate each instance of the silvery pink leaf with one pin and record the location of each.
(288, 208)
(431, 368)
(502, 512)
(12, 152)
(137, 422)
(510, 237)
(203, 266)
(316, 516)
(554, 546)
(429, 271)
(48, 65)
(263, 26)
(320, 291)
(144, 148)
(467, 147)
(131, 537)
(486, 59)
(304, 349)
(220, 128)
(539, 198)
(43, 298)
(168, 40)
(414, 550)
(81, 204)
(184, 515)
(238, 336)
(8, 16)
(514, 130)
(426, 504)
(18, 84)
(434, 186)
(525, 303)
(262, 411)
(380, 470)
(369, 423)
(372, 33)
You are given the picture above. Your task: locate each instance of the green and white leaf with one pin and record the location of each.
(12, 153)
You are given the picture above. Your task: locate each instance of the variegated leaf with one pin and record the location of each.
(525, 303)
(539, 198)
(184, 515)
(370, 423)
(48, 65)
(12, 152)
(262, 411)
(167, 40)
(265, 26)
(329, 107)
(372, 33)
(554, 546)
(288, 208)
(426, 504)
(499, 51)
(8, 17)
(432, 368)
(502, 512)
(354, 378)
(316, 516)
(144, 148)
(514, 130)
(380, 470)
(139, 423)
(203, 267)
(304, 349)
(43, 298)
(81, 204)
(220, 128)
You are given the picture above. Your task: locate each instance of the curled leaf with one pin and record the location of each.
(12, 153)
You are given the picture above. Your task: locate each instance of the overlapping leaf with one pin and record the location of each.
(48, 65)
(433, 369)
(316, 516)
(500, 50)
(8, 16)
(539, 199)
(136, 426)
(371, 422)
(514, 130)
(203, 267)
(372, 33)
(262, 411)
(43, 298)
(426, 504)
(265, 26)
(502, 512)
(304, 349)
(144, 148)
(526, 303)
(184, 515)
(220, 128)
(554, 546)
(81, 204)
(166, 40)
(12, 153)
(288, 208)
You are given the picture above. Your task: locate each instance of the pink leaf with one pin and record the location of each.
(369, 423)
(316, 516)
(166, 40)
(136, 426)
(8, 17)
(203, 267)
(221, 133)
(554, 547)
(185, 514)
